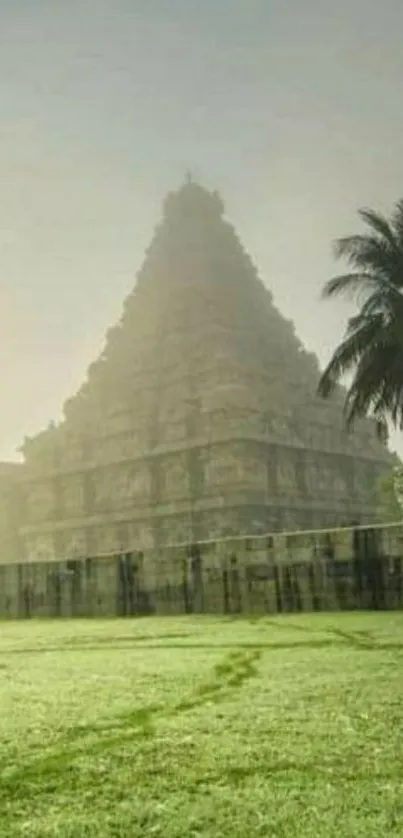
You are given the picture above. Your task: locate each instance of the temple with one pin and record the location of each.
(11, 516)
(199, 419)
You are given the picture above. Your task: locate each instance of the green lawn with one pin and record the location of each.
(180, 727)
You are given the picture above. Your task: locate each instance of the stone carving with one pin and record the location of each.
(286, 475)
(40, 548)
(72, 495)
(252, 471)
(339, 482)
(121, 484)
(40, 501)
(177, 531)
(75, 544)
(222, 466)
(140, 482)
(101, 485)
(145, 536)
(172, 432)
(175, 477)
(72, 453)
(105, 540)
(118, 421)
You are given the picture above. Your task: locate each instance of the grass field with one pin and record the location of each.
(291, 726)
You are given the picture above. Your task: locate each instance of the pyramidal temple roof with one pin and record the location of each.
(200, 418)
(201, 325)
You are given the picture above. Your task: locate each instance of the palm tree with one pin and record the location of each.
(371, 350)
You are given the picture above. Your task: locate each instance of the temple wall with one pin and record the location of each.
(300, 571)
(11, 512)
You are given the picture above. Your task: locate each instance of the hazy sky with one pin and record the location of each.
(291, 108)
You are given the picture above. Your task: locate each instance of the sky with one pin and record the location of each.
(292, 110)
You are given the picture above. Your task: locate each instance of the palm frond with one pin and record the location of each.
(371, 350)
(376, 388)
(349, 285)
(379, 224)
(397, 224)
(360, 335)
(367, 254)
(381, 302)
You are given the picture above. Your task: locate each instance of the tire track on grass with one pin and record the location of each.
(46, 774)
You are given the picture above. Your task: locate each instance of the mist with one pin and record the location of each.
(291, 110)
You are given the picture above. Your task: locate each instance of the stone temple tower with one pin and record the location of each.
(200, 418)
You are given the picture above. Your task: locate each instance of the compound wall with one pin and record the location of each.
(360, 568)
